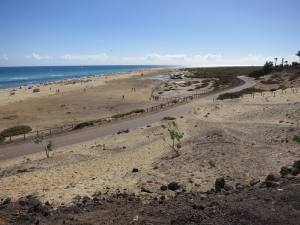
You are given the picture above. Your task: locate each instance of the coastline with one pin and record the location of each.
(69, 84)
(77, 99)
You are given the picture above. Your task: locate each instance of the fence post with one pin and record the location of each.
(24, 136)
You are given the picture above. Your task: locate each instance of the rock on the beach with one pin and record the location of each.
(6, 201)
(135, 170)
(272, 177)
(297, 164)
(254, 182)
(284, 171)
(173, 186)
(219, 184)
(163, 188)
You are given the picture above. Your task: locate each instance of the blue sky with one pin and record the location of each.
(177, 32)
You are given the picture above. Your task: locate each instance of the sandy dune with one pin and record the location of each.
(244, 138)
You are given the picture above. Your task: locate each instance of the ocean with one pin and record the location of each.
(18, 76)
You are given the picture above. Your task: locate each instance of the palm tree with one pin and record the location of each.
(286, 62)
(282, 60)
(275, 59)
(298, 54)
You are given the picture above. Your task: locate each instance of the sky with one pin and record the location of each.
(160, 32)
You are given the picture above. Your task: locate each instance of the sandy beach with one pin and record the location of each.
(78, 99)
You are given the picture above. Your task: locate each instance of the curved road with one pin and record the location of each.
(11, 151)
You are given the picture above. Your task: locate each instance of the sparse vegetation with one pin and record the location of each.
(48, 147)
(221, 76)
(17, 130)
(137, 111)
(2, 139)
(268, 68)
(82, 125)
(169, 118)
(175, 136)
(296, 138)
(298, 54)
(212, 164)
(238, 94)
(35, 90)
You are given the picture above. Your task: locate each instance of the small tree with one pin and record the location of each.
(17, 130)
(298, 54)
(275, 60)
(2, 139)
(48, 147)
(175, 136)
(286, 63)
(268, 67)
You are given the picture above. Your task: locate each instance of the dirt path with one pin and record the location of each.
(22, 149)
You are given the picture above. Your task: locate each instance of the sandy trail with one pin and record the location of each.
(16, 150)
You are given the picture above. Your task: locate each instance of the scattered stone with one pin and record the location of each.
(143, 189)
(253, 182)
(284, 171)
(173, 186)
(272, 177)
(239, 186)
(169, 118)
(295, 171)
(6, 201)
(163, 188)
(272, 184)
(297, 164)
(198, 206)
(123, 132)
(219, 184)
(135, 170)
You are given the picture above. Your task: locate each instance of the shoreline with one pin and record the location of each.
(70, 83)
(78, 77)
(23, 80)
(72, 100)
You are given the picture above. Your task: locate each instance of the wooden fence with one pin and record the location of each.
(167, 102)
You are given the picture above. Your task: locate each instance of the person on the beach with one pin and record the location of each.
(123, 98)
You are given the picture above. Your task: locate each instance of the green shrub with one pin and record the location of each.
(239, 93)
(17, 130)
(212, 164)
(82, 125)
(2, 139)
(175, 136)
(136, 111)
(35, 90)
(296, 138)
(168, 118)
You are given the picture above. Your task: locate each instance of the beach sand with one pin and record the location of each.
(238, 139)
(79, 99)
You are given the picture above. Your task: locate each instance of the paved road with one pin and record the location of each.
(11, 151)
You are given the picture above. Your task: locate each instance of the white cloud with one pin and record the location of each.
(88, 57)
(184, 59)
(166, 57)
(4, 57)
(37, 56)
(208, 57)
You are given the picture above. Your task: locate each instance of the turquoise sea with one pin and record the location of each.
(17, 76)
